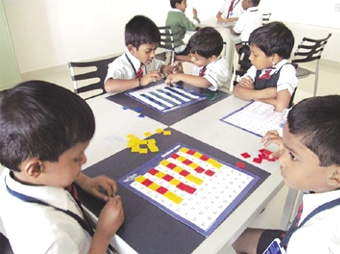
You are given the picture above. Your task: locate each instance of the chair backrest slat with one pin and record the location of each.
(91, 71)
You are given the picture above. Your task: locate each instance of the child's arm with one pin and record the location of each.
(102, 187)
(120, 85)
(189, 79)
(110, 219)
(245, 90)
(281, 101)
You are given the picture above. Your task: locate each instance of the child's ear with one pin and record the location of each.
(276, 59)
(132, 49)
(334, 179)
(32, 167)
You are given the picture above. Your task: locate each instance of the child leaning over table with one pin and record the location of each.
(211, 69)
(309, 157)
(180, 24)
(44, 131)
(137, 67)
(271, 79)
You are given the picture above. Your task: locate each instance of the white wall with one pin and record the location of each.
(49, 33)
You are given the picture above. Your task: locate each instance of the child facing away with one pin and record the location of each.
(137, 67)
(230, 11)
(44, 131)
(309, 157)
(210, 70)
(270, 79)
(180, 24)
(247, 22)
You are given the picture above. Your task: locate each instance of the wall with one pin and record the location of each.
(50, 33)
(9, 72)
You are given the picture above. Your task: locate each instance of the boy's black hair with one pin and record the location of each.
(316, 121)
(273, 38)
(41, 120)
(141, 30)
(255, 2)
(174, 2)
(206, 42)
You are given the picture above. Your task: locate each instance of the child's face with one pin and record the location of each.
(300, 167)
(259, 59)
(67, 169)
(182, 6)
(145, 53)
(199, 60)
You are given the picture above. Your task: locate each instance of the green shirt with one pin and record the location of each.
(179, 24)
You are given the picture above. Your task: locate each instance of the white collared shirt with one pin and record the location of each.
(35, 228)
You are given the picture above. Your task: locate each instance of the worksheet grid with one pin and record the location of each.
(212, 196)
(241, 119)
(164, 97)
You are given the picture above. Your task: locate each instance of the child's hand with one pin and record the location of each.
(247, 82)
(151, 76)
(168, 69)
(273, 137)
(101, 187)
(194, 12)
(110, 218)
(177, 67)
(172, 78)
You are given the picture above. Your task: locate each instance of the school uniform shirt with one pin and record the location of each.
(320, 234)
(36, 228)
(180, 24)
(126, 66)
(236, 12)
(248, 22)
(216, 73)
(286, 80)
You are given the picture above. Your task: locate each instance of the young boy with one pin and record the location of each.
(271, 78)
(138, 66)
(180, 24)
(229, 11)
(247, 21)
(44, 131)
(309, 157)
(210, 70)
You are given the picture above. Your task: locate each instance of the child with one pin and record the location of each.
(271, 79)
(44, 131)
(248, 21)
(229, 11)
(179, 25)
(138, 66)
(309, 157)
(210, 70)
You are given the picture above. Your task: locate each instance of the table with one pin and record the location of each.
(108, 148)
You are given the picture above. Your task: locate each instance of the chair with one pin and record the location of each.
(88, 77)
(166, 46)
(307, 51)
(265, 18)
(243, 62)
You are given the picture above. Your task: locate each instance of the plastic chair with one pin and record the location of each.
(88, 77)
(307, 51)
(166, 45)
(265, 18)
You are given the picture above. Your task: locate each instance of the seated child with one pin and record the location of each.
(229, 11)
(210, 70)
(137, 67)
(309, 157)
(270, 79)
(44, 131)
(247, 22)
(180, 24)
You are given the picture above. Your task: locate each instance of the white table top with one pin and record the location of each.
(113, 124)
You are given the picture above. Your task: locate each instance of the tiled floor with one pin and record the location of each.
(328, 84)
